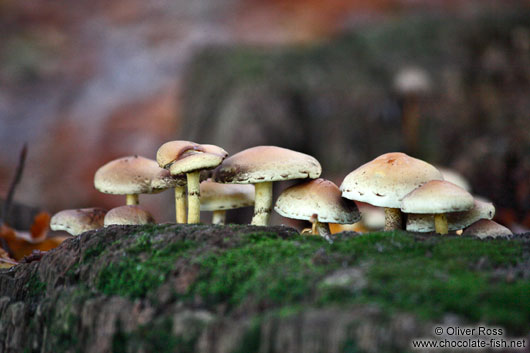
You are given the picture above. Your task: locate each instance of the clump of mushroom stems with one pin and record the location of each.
(262, 204)
(194, 197)
(132, 199)
(393, 219)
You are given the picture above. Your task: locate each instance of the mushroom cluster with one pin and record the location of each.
(393, 191)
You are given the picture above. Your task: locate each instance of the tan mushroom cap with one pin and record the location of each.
(267, 163)
(320, 197)
(78, 221)
(128, 215)
(372, 217)
(486, 228)
(195, 161)
(172, 150)
(216, 196)
(385, 180)
(455, 220)
(437, 197)
(133, 175)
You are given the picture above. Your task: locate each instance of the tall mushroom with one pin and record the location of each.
(185, 157)
(78, 221)
(218, 198)
(384, 181)
(263, 165)
(132, 176)
(438, 197)
(318, 201)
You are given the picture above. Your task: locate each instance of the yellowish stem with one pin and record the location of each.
(180, 204)
(219, 217)
(132, 199)
(393, 219)
(194, 197)
(440, 224)
(262, 204)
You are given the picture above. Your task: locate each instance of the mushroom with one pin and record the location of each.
(318, 201)
(385, 180)
(261, 166)
(218, 198)
(132, 176)
(438, 197)
(455, 220)
(78, 221)
(486, 228)
(185, 157)
(128, 215)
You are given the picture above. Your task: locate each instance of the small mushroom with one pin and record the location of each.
(438, 197)
(318, 201)
(78, 221)
(486, 228)
(128, 215)
(132, 176)
(218, 198)
(455, 220)
(263, 165)
(385, 181)
(184, 157)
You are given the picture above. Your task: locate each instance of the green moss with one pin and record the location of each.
(142, 269)
(428, 277)
(35, 287)
(252, 338)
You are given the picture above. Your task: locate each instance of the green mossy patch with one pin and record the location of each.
(429, 277)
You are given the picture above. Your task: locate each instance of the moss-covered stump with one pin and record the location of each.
(198, 288)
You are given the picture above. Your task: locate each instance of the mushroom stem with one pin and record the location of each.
(393, 219)
(323, 230)
(194, 197)
(262, 204)
(180, 204)
(440, 224)
(219, 217)
(132, 199)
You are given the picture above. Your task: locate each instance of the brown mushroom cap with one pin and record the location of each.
(486, 228)
(387, 179)
(455, 220)
(216, 196)
(133, 175)
(78, 221)
(437, 197)
(317, 197)
(267, 163)
(128, 215)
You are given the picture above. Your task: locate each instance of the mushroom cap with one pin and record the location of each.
(486, 228)
(133, 175)
(437, 196)
(78, 221)
(412, 80)
(318, 197)
(216, 196)
(128, 215)
(172, 150)
(385, 180)
(192, 161)
(455, 220)
(267, 163)
(454, 177)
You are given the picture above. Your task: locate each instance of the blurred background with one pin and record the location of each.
(85, 82)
